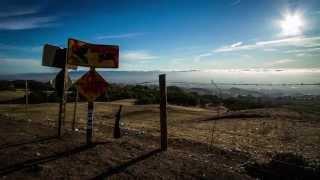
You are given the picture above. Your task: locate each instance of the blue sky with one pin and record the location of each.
(167, 34)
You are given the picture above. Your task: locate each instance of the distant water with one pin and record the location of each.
(203, 78)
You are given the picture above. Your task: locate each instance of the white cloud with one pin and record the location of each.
(120, 36)
(20, 48)
(17, 61)
(18, 11)
(36, 48)
(137, 55)
(22, 23)
(236, 44)
(21, 65)
(247, 56)
(299, 41)
(18, 17)
(266, 70)
(199, 57)
(278, 62)
(269, 49)
(300, 54)
(304, 50)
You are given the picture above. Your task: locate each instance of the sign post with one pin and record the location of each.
(91, 85)
(90, 122)
(54, 56)
(62, 82)
(75, 110)
(62, 106)
(65, 95)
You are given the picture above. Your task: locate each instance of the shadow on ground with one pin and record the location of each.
(38, 140)
(33, 163)
(117, 169)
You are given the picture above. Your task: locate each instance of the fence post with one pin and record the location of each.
(75, 110)
(60, 117)
(63, 100)
(116, 131)
(163, 112)
(27, 100)
(65, 92)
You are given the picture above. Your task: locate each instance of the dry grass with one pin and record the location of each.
(11, 95)
(282, 131)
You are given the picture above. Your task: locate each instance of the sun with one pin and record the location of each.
(292, 24)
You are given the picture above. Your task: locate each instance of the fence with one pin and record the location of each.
(255, 133)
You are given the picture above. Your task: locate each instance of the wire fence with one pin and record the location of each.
(280, 131)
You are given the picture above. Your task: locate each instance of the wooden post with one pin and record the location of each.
(163, 112)
(90, 123)
(60, 117)
(27, 100)
(75, 110)
(116, 131)
(65, 91)
(63, 100)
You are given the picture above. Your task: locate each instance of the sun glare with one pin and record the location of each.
(292, 24)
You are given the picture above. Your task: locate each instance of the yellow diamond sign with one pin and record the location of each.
(91, 85)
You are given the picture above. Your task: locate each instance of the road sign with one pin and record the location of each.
(58, 83)
(92, 55)
(91, 85)
(54, 56)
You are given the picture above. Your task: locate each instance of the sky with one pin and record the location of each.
(166, 34)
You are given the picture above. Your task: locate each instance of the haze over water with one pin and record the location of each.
(275, 79)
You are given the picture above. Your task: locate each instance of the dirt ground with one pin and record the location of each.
(199, 148)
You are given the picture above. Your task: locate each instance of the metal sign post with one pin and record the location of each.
(54, 56)
(62, 83)
(90, 122)
(91, 85)
(61, 109)
(65, 95)
(75, 110)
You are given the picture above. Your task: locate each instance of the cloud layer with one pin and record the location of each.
(299, 42)
(120, 36)
(137, 55)
(25, 17)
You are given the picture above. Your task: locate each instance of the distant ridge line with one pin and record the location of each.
(253, 84)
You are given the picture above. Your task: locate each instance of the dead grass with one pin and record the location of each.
(11, 95)
(281, 131)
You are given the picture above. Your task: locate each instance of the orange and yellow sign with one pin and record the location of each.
(92, 55)
(91, 85)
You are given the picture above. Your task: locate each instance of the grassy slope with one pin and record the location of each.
(284, 130)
